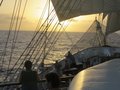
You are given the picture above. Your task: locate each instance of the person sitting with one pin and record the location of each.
(71, 59)
(29, 78)
(58, 68)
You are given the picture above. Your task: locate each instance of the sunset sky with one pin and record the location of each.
(32, 13)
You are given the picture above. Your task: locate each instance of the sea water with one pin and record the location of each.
(12, 51)
(63, 44)
(12, 47)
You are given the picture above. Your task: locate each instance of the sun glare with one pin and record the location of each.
(37, 14)
(73, 25)
(65, 23)
(73, 20)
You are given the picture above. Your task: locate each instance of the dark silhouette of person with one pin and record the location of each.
(53, 81)
(29, 78)
(67, 65)
(58, 68)
(71, 59)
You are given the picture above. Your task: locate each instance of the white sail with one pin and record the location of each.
(113, 23)
(66, 9)
(104, 15)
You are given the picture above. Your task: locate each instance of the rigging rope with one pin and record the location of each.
(69, 38)
(15, 33)
(25, 51)
(39, 39)
(27, 46)
(1, 2)
(38, 59)
(96, 37)
(53, 43)
(51, 35)
(42, 15)
(11, 24)
(82, 39)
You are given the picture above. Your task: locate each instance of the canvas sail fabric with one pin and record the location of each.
(113, 23)
(67, 9)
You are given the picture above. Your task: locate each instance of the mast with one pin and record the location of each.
(101, 36)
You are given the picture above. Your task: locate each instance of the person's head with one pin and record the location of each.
(56, 61)
(28, 64)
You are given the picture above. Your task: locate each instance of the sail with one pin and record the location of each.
(104, 15)
(113, 23)
(67, 9)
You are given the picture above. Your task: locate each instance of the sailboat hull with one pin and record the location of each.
(90, 57)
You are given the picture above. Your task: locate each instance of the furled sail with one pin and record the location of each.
(67, 9)
(113, 23)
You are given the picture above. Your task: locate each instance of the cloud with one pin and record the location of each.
(5, 20)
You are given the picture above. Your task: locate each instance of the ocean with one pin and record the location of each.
(65, 42)
(13, 51)
(62, 46)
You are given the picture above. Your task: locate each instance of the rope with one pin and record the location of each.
(51, 35)
(1, 2)
(11, 24)
(25, 50)
(53, 42)
(83, 36)
(39, 39)
(16, 33)
(31, 44)
(42, 15)
(52, 45)
(69, 38)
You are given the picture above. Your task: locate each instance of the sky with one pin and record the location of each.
(32, 13)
